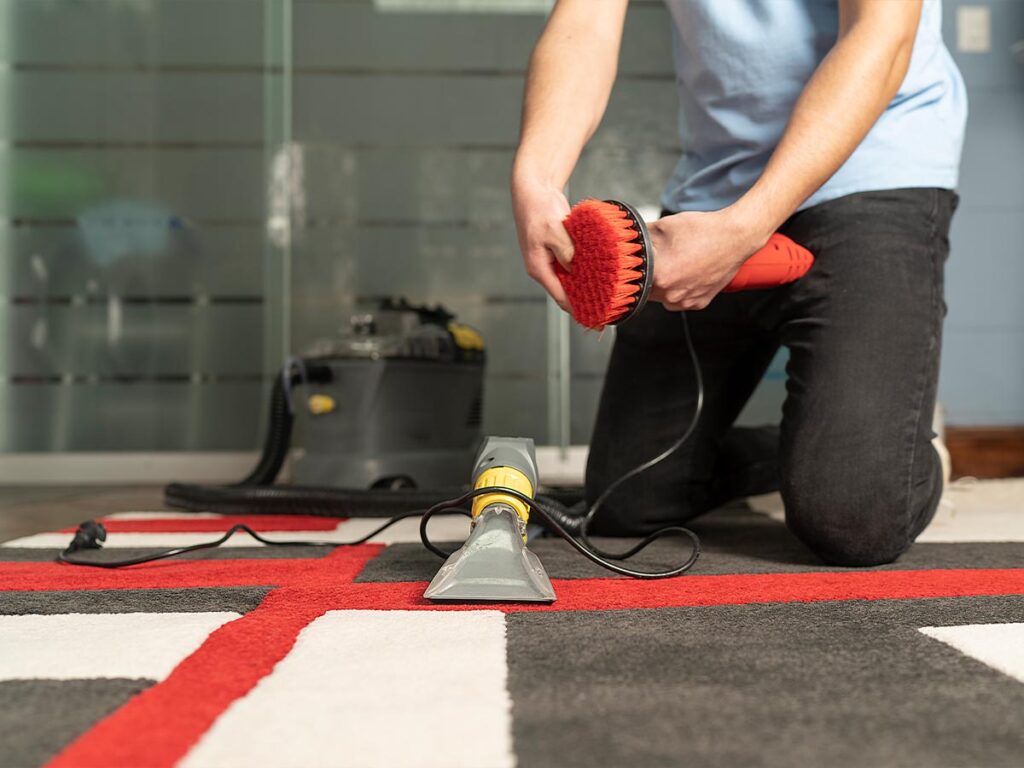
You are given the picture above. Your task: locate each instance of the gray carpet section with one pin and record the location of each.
(733, 541)
(37, 555)
(837, 684)
(238, 599)
(38, 718)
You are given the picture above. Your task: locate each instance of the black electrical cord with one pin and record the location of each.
(698, 409)
(91, 534)
(587, 551)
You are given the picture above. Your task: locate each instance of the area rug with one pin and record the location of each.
(253, 656)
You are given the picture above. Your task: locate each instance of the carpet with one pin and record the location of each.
(281, 656)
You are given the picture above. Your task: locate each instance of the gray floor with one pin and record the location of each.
(28, 509)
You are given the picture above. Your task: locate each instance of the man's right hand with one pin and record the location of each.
(539, 211)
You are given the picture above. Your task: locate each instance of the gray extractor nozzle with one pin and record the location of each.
(494, 564)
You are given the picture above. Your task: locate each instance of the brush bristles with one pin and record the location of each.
(607, 265)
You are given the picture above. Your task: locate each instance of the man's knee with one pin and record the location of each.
(850, 521)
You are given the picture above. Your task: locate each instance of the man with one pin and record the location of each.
(838, 123)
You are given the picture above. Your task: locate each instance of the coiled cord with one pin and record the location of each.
(588, 551)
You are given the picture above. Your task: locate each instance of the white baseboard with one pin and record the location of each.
(558, 469)
(156, 468)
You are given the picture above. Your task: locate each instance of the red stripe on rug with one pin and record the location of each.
(157, 727)
(790, 588)
(573, 594)
(177, 574)
(695, 591)
(258, 523)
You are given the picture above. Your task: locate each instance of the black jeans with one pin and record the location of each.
(853, 459)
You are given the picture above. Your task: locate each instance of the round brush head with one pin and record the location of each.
(612, 266)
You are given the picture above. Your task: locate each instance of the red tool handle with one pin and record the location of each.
(780, 261)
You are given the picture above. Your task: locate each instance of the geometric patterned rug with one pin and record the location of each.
(281, 656)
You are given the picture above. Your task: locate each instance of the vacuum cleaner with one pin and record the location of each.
(385, 418)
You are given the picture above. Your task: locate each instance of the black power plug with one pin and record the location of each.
(90, 535)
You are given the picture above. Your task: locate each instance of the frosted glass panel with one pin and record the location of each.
(134, 146)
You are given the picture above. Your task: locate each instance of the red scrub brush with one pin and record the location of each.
(613, 265)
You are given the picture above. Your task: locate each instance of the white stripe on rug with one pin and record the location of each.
(162, 516)
(1000, 646)
(92, 645)
(983, 512)
(376, 688)
(441, 529)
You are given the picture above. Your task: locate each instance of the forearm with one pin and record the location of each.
(570, 78)
(849, 91)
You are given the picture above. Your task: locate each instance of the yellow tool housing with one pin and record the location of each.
(503, 477)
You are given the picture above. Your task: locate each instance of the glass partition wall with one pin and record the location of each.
(194, 189)
(140, 300)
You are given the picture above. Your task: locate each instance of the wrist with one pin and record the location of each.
(756, 219)
(527, 174)
(747, 229)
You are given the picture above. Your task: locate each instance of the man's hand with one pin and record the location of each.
(539, 211)
(696, 254)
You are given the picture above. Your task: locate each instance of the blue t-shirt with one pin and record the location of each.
(742, 64)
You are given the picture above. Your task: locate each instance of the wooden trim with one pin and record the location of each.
(986, 451)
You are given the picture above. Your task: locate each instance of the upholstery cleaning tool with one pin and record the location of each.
(494, 564)
(613, 266)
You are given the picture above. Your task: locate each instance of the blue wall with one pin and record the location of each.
(982, 380)
(983, 354)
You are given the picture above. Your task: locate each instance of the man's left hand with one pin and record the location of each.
(697, 254)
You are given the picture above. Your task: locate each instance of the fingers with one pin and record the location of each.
(678, 301)
(553, 247)
(539, 212)
(686, 306)
(561, 246)
(540, 266)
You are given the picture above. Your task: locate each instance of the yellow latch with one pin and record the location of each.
(466, 337)
(321, 404)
